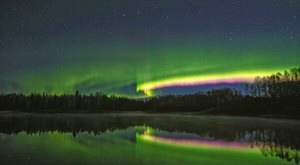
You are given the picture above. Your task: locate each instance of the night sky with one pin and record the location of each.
(143, 48)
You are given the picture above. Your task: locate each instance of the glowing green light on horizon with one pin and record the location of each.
(141, 70)
(244, 77)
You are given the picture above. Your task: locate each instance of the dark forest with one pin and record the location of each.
(275, 95)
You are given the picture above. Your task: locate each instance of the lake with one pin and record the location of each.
(137, 138)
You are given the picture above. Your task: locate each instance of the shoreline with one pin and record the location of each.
(141, 113)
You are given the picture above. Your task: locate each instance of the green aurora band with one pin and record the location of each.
(140, 48)
(111, 67)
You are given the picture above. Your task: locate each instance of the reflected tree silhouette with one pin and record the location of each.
(276, 140)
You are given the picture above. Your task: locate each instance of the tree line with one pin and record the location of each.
(36, 102)
(275, 94)
(100, 102)
(276, 85)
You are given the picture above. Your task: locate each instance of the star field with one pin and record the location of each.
(135, 47)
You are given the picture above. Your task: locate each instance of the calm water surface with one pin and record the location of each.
(146, 139)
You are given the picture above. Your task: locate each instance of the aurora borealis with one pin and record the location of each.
(143, 48)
